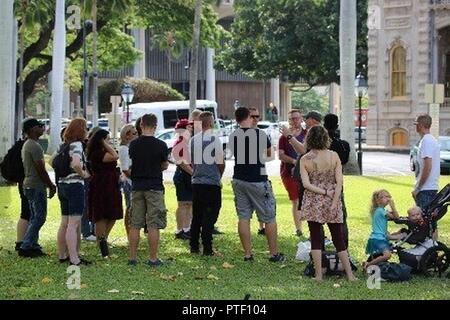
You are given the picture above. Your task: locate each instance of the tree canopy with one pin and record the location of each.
(115, 45)
(297, 40)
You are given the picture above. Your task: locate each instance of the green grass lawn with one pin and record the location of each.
(225, 276)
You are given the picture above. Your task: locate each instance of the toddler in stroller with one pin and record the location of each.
(427, 255)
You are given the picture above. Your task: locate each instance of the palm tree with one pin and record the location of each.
(58, 70)
(6, 67)
(347, 39)
(194, 56)
(173, 48)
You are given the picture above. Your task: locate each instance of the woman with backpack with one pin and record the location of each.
(105, 199)
(70, 168)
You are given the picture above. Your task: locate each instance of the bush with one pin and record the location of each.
(145, 90)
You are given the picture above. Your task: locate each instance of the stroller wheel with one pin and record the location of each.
(435, 261)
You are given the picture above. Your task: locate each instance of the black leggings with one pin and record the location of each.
(317, 235)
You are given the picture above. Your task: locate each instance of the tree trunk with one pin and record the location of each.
(169, 67)
(6, 84)
(347, 32)
(95, 112)
(59, 59)
(194, 56)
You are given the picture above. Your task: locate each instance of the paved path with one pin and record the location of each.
(374, 164)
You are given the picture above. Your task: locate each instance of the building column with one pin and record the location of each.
(210, 75)
(139, 43)
(6, 83)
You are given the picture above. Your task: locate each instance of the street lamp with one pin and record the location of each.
(360, 91)
(127, 96)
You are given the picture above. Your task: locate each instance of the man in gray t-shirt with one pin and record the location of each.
(35, 183)
(208, 166)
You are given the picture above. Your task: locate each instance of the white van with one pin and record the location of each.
(169, 112)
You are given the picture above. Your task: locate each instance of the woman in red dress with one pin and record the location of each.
(105, 200)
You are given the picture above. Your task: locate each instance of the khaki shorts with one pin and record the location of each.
(148, 207)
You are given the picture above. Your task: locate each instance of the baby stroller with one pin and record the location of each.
(427, 256)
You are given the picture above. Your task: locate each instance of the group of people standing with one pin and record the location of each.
(311, 157)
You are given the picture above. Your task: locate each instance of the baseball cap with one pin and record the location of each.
(182, 124)
(30, 123)
(314, 115)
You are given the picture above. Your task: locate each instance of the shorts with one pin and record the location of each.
(126, 188)
(148, 208)
(72, 198)
(377, 246)
(292, 187)
(183, 191)
(254, 196)
(25, 212)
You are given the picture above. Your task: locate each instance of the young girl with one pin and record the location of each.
(378, 244)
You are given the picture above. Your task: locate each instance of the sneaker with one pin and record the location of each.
(279, 257)
(299, 233)
(81, 263)
(156, 263)
(132, 263)
(18, 244)
(216, 231)
(104, 247)
(262, 231)
(64, 260)
(208, 252)
(90, 238)
(31, 253)
(182, 235)
(250, 258)
(195, 250)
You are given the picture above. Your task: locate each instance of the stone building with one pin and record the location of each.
(409, 46)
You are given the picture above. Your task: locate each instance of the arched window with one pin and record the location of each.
(398, 72)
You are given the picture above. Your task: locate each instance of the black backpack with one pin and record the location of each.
(342, 148)
(330, 262)
(12, 165)
(61, 162)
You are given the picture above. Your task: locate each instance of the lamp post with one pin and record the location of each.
(127, 96)
(360, 91)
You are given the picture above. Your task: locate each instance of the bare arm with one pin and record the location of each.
(394, 213)
(43, 174)
(186, 167)
(75, 164)
(164, 165)
(127, 173)
(297, 145)
(111, 154)
(285, 158)
(426, 170)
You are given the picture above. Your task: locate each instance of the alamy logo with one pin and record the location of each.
(374, 279)
(74, 280)
(74, 20)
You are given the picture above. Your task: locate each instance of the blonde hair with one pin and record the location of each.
(375, 197)
(123, 134)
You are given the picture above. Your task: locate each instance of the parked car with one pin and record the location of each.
(444, 145)
(363, 134)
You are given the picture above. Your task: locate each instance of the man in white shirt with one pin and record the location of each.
(427, 181)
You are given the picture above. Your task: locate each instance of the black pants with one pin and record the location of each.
(206, 204)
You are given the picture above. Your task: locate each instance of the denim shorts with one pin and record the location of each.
(72, 198)
(425, 197)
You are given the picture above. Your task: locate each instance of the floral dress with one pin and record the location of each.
(317, 207)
